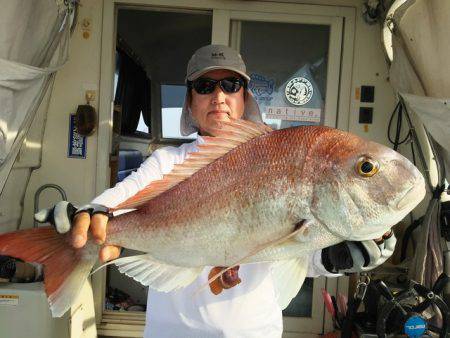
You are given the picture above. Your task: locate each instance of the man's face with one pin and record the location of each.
(208, 109)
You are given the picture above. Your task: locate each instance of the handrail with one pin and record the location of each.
(38, 193)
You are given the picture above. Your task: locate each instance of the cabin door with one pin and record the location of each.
(300, 64)
(294, 64)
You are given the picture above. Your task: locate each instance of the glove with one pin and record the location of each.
(350, 257)
(62, 213)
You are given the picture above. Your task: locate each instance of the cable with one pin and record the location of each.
(412, 153)
(396, 139)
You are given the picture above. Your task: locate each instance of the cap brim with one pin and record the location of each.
(196, 75)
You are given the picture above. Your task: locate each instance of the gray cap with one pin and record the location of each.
(209, 58)
(215, 57)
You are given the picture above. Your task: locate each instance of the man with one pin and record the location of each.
(217, 91)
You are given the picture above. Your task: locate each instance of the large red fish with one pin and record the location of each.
(248, 195)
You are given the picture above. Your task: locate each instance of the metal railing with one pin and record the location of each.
(38, 193)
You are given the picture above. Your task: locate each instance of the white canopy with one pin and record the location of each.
(34, 37)
(420, 72)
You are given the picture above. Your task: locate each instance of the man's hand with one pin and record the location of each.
(97, 223)
(64, 216)
(349, 257)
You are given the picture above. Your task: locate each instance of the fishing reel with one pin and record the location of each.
(415, 311)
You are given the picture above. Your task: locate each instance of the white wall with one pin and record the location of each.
(370, 68)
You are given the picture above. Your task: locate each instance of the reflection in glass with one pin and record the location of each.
(172, 99)
(288, 66)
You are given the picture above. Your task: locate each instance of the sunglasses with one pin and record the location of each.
(229, 85)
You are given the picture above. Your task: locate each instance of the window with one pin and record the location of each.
(163, 42)
(142, 127)
(132, 88)
(172, 100)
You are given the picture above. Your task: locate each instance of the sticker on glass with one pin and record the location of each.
(311, 115)
(299, 91)
(260, 85)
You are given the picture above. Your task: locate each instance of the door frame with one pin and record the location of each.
(221, 10)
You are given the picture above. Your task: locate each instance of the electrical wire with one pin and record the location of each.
(396, 139)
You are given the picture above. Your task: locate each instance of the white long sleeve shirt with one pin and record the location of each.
(249, 310)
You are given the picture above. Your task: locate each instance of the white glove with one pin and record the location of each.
(349, 257)
(62, 213)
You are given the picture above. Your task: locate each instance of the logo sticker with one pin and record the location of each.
(218, 56)
(415, 326)
(299, 91)
(260, 85)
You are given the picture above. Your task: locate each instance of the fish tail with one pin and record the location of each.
(65, 268)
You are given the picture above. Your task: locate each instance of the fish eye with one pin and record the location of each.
(367, 167)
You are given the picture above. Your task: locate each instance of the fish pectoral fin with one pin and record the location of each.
(288, 277)
(300, 227)
(156, 275)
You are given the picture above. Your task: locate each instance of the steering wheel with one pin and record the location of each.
(403, 312)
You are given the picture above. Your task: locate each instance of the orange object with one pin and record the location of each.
(358, 93)
(227, 280)
(215, 286)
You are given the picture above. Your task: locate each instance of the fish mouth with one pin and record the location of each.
(413, 196)
(407, 202)
(372, 235)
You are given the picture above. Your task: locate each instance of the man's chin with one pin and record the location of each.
(217, 118)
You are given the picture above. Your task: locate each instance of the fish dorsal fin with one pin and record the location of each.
(229, 135)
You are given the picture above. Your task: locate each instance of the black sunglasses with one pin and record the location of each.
(205, 85)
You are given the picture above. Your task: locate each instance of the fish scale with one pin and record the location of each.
(221, 200)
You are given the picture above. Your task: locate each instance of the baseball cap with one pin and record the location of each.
(213, 57)
(209, 58)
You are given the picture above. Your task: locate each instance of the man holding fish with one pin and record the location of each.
(232, 223)
(217, 92)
